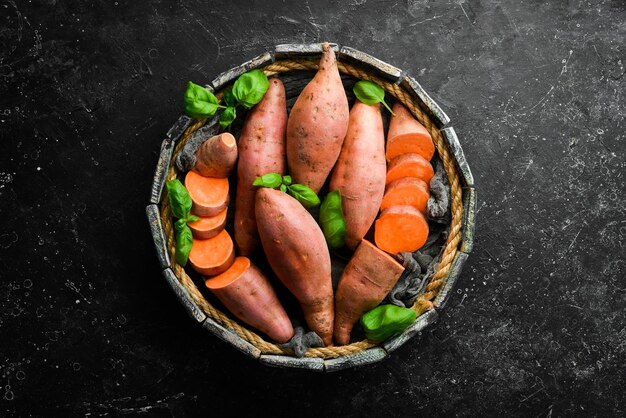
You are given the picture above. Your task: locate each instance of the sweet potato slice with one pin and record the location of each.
(217, 156)
(400, 228)
(212, 256)
(208, 226)
(209, 195)
(366, 280)
(409, 165)
(247, 293)
(407, 135)
(406, 191)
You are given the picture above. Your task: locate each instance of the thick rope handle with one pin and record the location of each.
(422, 304)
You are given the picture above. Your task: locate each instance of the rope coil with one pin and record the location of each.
(422, 304)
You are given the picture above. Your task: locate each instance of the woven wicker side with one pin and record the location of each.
(304, 57)
(455, 273)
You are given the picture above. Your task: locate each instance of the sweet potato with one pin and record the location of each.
(208, 226)
(216, 157)
(212, 256)
(317, 125)
(248, 295)
(400, 228)
(209, 195)
(407, 135)
(261, 151)
(406, 191)
(364, 283)
(296, 250)
(409, 165)
(359, 174)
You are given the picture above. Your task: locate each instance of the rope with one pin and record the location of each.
(421, 305)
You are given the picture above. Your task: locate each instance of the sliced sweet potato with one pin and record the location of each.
(407, 135)
(248, 294)
(400, 228)
(409, 165)
(208, 226)
(212, 256)
(209, 195)
(406, 191)
(217, 156)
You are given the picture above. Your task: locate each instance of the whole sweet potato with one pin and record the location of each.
(261, 151)
(296, 250)
(317, 125)
(360, 171)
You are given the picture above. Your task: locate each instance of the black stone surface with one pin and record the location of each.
(536, 92)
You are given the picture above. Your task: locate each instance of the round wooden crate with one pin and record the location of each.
(295, 64)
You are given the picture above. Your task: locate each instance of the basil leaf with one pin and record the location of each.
(180, 201)
(229, 97)
(192, 218)
(250, 88)
(184, 241)
(199, 102)
(179, 225)
(271, 180)
(286, 180)
(386, 320)
(332, 221)
(304, 195)
(283, 188)
(370, 93)
(227, 117)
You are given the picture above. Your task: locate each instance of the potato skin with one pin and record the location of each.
(252, 299)
(261, 150)
(317, 125)
(296, 250)
(360, 171)
(367, 279)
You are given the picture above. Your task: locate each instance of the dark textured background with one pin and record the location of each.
(536, 91)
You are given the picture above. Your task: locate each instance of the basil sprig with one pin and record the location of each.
(180, 203)
(300, 192)
(247, 91)
(386, 320)
(370, 93)
(199, 102)
(332, 220)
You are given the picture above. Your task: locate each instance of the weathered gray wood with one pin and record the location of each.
(179, 128)
(186, 158)
(451, 280)
(419, 325)
(230, 337)
(309, 363)
(469, 219)
(158, 235)
(369, 356)
(190, 306)
(288, 51)
(160, 174)
(426, 102)
(368, 62)
(452, 140)
(226, 77)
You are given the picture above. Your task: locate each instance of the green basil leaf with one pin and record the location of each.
(287, 180)
(304, 195)
(271, 180)
(184, 241)
(179, 225)
(227, 117)
(192, 218)
(199, 102)
(370, 93)
(229, 97)
(386, 320)
(180, 201)
(250, 88)
(332, 220)
(283, 188)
